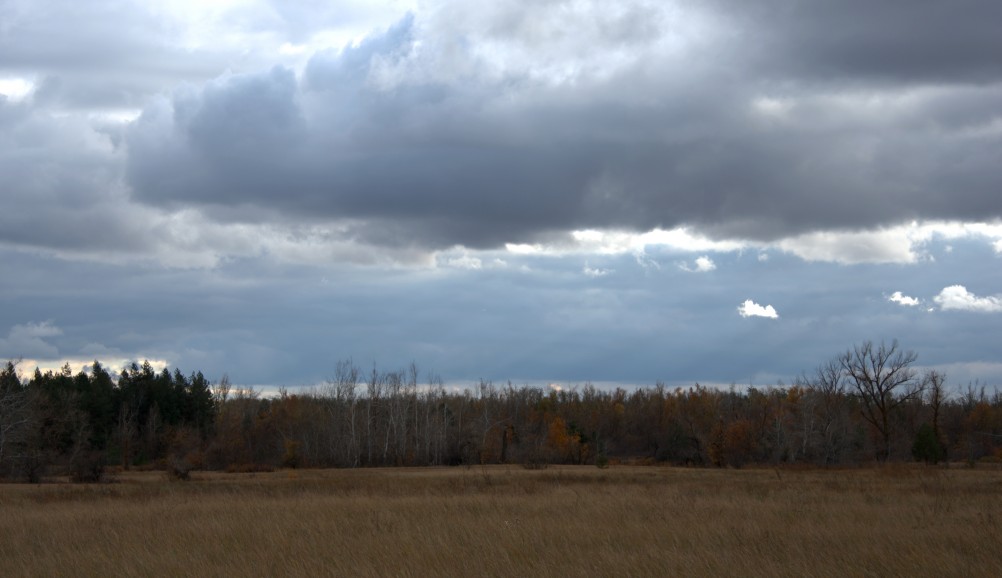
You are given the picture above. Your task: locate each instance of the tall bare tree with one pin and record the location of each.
(935, 385)
(884, 379)
(829, 402)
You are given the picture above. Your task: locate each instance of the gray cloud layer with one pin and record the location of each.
(101, 54)
(219, 228)
(797, 120)
(891, 41)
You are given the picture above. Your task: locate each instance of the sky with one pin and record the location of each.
(547, 192)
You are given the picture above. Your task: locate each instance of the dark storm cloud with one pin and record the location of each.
(239, 138)
(61, 183)
(486, 123)
(859, 40)
(410, 160)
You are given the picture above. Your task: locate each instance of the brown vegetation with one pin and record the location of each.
(866, 404)
(895, 520)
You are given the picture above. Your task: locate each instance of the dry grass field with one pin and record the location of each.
(507, 521)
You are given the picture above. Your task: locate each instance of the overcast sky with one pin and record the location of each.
(549, 192)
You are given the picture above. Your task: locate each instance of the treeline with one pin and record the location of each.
(864, 405)
(57, 421)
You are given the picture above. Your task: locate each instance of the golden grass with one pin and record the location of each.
(507, 521)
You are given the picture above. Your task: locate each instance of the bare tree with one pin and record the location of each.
(884, 379)
(340, 399)
(935, 385)
(828, 385)
(373, 397)
(221, 391)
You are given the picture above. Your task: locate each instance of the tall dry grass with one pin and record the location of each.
(500, 521)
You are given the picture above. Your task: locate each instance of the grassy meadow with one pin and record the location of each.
(509, 521)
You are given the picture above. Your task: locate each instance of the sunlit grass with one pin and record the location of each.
(507, 521)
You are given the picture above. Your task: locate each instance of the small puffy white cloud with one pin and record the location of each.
(595, 272)
(998, 246)
(751, 309)
(901, 299)
(763, 257)
(702, 265)
(957, 297)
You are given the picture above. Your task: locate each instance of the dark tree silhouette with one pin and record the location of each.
(884, 379)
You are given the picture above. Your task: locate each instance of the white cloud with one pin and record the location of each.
(524, 249)
(959, 298)
(15, 88)
(901, 299)
(850, 248)
(900, 244)
(618, 242)
(702, 265)
(751, 309)
(589, 271)
(464, 258)
(612, 242)
(465, 262)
